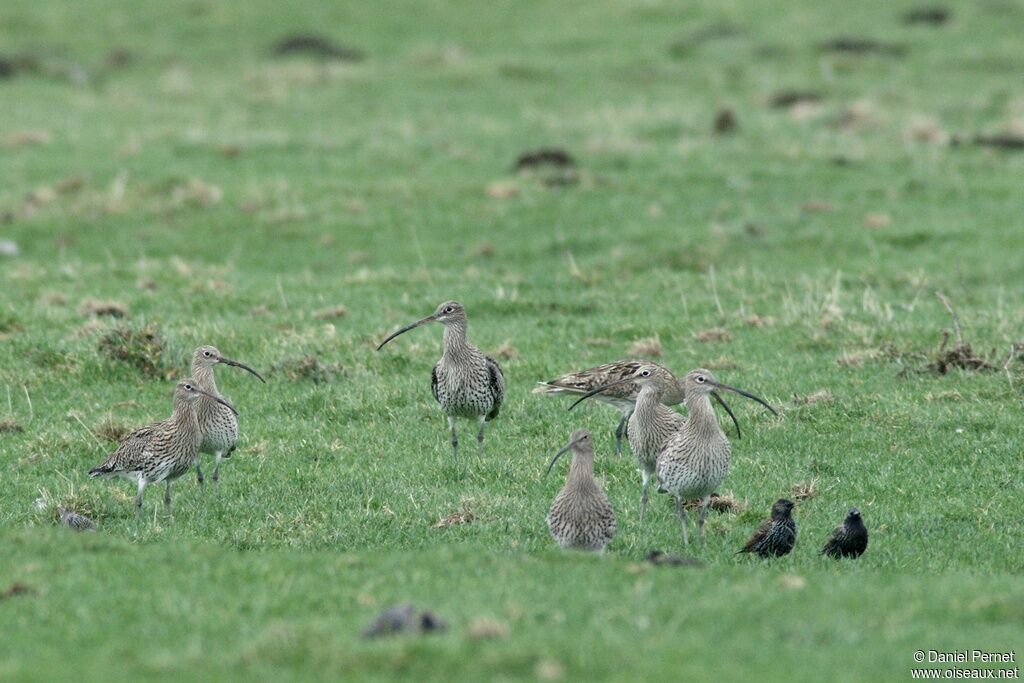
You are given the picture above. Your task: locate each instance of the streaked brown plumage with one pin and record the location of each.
(161, 451)
(581, 515)
(466, 382)
(619, 394)
(75, 521)
(217, 424)
(695, 461)
(777, 535)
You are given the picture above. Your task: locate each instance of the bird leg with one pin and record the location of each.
(682, 520)
(480, 435)
(700, 517)
(646, 494)
(167, 499)
(199, 476)
(216, 466)
(138, 499)
(620, 429)
(455, 437)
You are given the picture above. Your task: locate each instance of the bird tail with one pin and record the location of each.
(548, 388)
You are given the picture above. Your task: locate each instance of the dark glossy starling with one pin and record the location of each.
(850, 539)
(403, 618)
(777, 535)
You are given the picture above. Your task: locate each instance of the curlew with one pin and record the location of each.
(581, 515)
(777, 535)
(615, 391)
(217, 423)
(651, 423)
(695, 460)
(161, 451)
(466, 382)
(849, 539)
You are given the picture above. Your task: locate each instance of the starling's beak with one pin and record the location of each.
(424, 321)
(597, 391)
(728, 410)
(559, 455)
(749, 395)
(236, 364)
(217, 399)
(854, 512)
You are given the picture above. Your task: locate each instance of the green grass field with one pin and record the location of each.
(160, 156)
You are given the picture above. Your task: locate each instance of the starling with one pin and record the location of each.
(403, 618)
(659, 558)
(73, 520)
(850, 539)
(777, 535)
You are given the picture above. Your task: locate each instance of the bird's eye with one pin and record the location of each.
(206, 353)
(645, 373)
(188, 387)
(449, 310)
(700, 379)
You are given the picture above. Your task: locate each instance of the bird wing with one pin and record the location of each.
(496, 381)
(758, 537)
(129, 449)
(832, 545)
(433, 383)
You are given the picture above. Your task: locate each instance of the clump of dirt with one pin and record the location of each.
(463, 516)
(727, 504)
(683, 47)
(487, 628)
(725, 121)
(545, 156)
(313, 45)
(97, 308)
(933, 16)
(142, 348)
(309, 368)
(856, 45)
(783, 99)
(506, 351)
(9, 323)
(961, 356)
(9, 426)
(331, 313)
(15, 589)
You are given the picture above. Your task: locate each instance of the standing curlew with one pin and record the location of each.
(465, 382)
(217, 424)
(581, 515)
(651, 424)
(849, 539)
(616, 390)
(695, 461)
(777, 535)
(161, 451)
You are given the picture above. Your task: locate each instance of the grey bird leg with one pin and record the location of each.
(646, 494)
(700, 518)
(138, 500)
(480, 435)
(455, 436)
(619, 431)
(167, 499)
(216, 466)
(199, 476)
(682, 520)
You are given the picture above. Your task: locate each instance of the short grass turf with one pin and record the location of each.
(292, 211)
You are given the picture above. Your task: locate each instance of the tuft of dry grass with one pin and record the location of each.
(506, 351)
(819, 396)
(724, 504)
(96, 308)
(142, 348)
(310, 368)
(487, 628)
(9, 426)
(463, 516)
(331, 313)
(110, 430)
(648, 347)
(713, 335)
(804, 490)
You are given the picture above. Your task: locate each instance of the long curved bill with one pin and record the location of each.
(218, 400)
(749, 395)
(558, 455)
(236, 364)
(597, 391)
(412, 326)
(725, 405)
